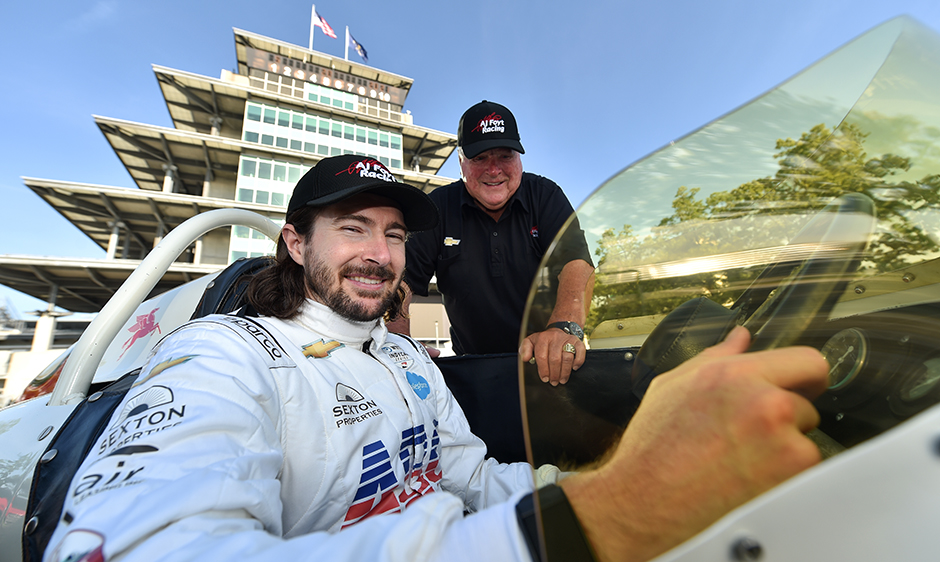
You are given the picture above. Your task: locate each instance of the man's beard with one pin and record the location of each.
(320, 281)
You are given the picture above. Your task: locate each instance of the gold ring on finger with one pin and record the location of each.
(569, 348)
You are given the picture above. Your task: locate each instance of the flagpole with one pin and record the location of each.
(313, 14)
(347, 42)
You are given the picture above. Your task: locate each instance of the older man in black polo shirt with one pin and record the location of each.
(496, 224)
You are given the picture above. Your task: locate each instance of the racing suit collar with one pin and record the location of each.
(321, 319)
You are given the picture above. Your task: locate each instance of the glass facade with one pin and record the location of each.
(289, 86)
(264, 181)
(285, 128)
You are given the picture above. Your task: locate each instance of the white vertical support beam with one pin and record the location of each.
(114, 239)
(169, 178)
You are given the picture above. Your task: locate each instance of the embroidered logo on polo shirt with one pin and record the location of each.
(320, 349)
(534, 231)
(451, 241)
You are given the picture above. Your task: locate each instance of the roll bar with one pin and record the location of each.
(79, 370)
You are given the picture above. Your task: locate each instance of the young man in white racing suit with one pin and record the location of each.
(311, 433)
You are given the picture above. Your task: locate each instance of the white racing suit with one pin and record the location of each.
(262, 439)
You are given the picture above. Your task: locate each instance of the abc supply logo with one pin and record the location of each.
(492, 123)
(354, 408)
(369, 168)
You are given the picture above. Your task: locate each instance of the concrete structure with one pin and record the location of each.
(239, 140)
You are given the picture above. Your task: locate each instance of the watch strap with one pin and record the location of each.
(565, 326)
(564, 537)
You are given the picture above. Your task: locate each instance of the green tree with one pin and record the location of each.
(819, 166)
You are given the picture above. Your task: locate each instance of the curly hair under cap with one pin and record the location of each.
(281, 290)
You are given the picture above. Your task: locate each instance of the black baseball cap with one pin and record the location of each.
(487, 125)
(340, 177)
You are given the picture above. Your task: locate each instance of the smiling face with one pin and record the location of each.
(492, 177)
(354, 256)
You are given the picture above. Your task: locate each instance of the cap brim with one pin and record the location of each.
(419, 212)
(473, 149)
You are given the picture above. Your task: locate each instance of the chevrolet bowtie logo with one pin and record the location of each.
(319, 349)
(451, 241)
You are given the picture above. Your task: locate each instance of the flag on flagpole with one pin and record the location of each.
(358, 46)
(321, 23)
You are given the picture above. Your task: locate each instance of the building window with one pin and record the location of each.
(254, 112)
(248, 168)
(239, 255)
(383, 139)
(297, 122)
(277, 199)
(251, 136)
(311, 125)
(296, 145)
(360, 134)
(269, 115)
(261, 197)
(323, 149)
(280, 172)
(281, 142)
(241, 232)
(293, 174)
(264, 170)
(310, 147)
(337, 130)
(267, 139)
(335, 151)
(283, 119)
(245, 195)
(348, 132)
(396, 142)
(373, 137)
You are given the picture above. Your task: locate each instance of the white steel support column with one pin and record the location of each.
(216, 123)
(114, 239)
(169, 178)
(44, 334)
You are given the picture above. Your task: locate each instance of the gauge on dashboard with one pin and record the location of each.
(847, 354)
(919, 390)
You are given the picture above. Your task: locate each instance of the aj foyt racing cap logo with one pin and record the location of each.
(369, 168)
(487, 125)
(340, 177)
(352, 407)
(492, 123)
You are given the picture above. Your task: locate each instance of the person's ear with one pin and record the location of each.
(294, 243)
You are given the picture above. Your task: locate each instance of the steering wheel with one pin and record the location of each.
(806, 291)
(782, 302)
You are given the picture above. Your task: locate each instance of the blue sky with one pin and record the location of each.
(595, 85)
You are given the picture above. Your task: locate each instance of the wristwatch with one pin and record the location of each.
(569, 328)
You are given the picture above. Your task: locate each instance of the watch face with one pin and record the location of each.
(576, 330)
(569, 327)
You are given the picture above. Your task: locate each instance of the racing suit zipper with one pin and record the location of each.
(409, 480)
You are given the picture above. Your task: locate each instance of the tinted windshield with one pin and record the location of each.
(706, 215)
